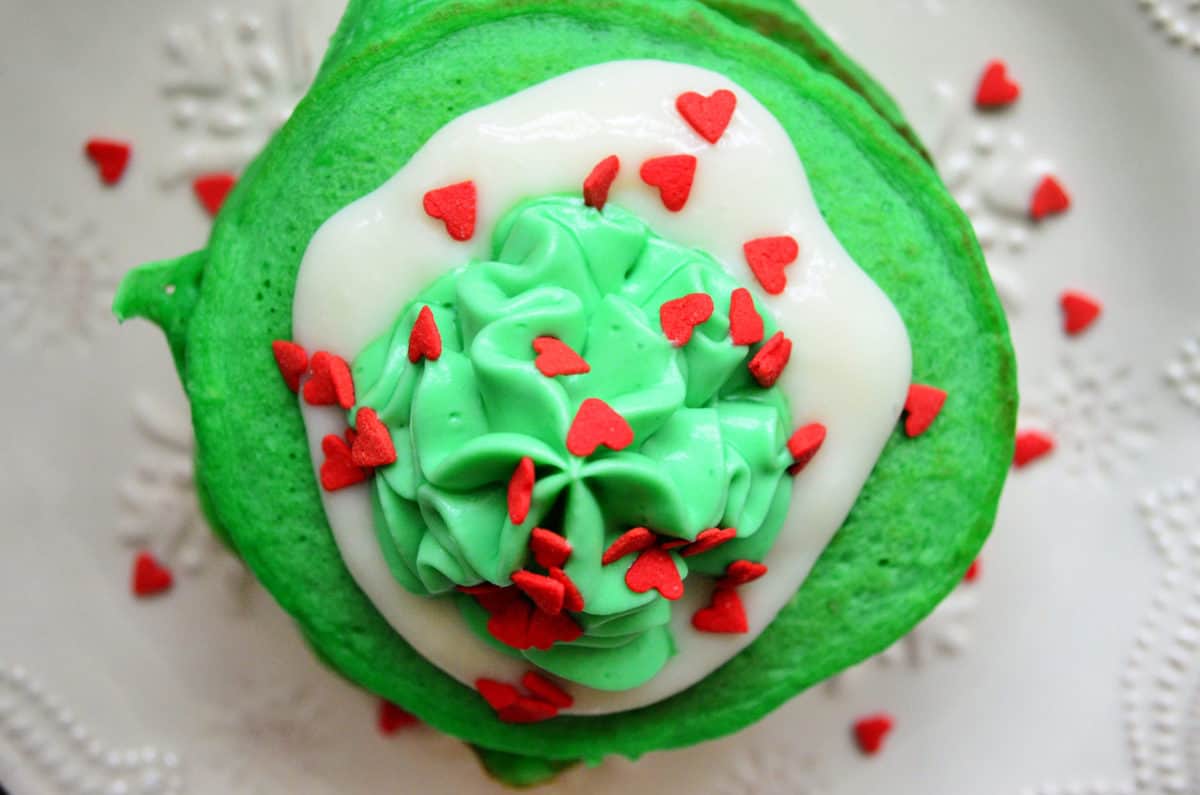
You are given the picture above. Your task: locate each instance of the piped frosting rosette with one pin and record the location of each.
(666, 431)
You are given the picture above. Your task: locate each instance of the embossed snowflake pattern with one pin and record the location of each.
(1095, 411)
(58, 751)
(55, 280)
(1183, 372)
(991, 172)
(1161, 683)
(159, 510)
(773, 771)
(945, 633)
(231, 81)
(273, 728)
(1177, 20)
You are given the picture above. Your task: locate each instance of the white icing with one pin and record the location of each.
(850, 365)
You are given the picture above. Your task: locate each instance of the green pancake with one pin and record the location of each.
(396, 73)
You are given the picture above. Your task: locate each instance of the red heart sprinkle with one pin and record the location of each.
(555, 357)
(392, 718)
(330, 381)
(741, 572)
(681, 315)
(871, 731)
(546, 690)
(425, 340)
(550, 550)
(149, 576)
(635, 540)
(923, 405)
(767, 257)
(972, 571)
(1080, 311)
(708, 116)
(724, 614)
(597, 424)
(292, 361)
(745, 324)
(350, 435)
(498, 695)
(1032, 445)
(996, 89)
(673, 176)
(520, 490)
(767, 365)
(110, 156)
(804, 444)
(211, 190)
(545, 629)
(708, 539)
(1049, 198)
(509, 622)
(595, 187)
(527, 710)
(372, 445)
(546, 592)
(338, 469)
(572, 597)
(655, 569)
(455, 205)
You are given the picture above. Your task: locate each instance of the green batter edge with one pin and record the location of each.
(398, 71)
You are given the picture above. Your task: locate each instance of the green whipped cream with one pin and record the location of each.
(709, 445)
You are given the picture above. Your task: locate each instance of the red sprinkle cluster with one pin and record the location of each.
(545, 698)
(532, 612)
(654, 568)
(329, 381)
(725, 612)
(515, 620)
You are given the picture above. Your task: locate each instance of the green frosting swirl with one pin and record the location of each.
(709, 445)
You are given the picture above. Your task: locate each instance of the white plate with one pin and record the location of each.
(1071, 666)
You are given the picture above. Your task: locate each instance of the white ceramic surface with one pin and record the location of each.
(1072, 665)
